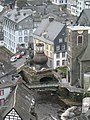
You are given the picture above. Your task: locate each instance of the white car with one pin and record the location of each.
(13, 59)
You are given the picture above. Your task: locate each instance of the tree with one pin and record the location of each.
(21, 3)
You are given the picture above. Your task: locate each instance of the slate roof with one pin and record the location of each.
(35, 2)
(6, 72)
(52, 29)
(21, 100)
(18, 16)
(86, 54)
(87, 12)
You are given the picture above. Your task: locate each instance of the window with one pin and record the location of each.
(20, 33)
(2, 101)
(62, 47)
(9, 36)
(68, 60)
(60, 40)
(63, 62)
(47, 53)
(50, 54)
(79, 39)
(25, 32)
(46, 46)
(63, 54)
(1, 92)
(50, 48)
(50, 63)
(69, 49)
(25, 39)
(56, 1)
(58, 55)
(10, 42)
(57, 47)
(20, 27)
(58, 63)
(20, 39)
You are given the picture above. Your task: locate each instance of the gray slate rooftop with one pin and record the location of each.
(6, 73)
(21, 100)
(52, 29)
(17, 16)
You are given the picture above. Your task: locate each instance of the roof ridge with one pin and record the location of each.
(15, 95)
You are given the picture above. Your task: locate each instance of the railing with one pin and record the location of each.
(53, 85)
(43, 86)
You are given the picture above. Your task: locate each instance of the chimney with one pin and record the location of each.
(51, 19)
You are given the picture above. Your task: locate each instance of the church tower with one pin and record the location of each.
(76, 44)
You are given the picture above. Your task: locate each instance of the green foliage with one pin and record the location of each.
(21, 3)
(62, 69)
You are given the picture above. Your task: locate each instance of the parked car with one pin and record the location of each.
(18, 56)
(13, 59)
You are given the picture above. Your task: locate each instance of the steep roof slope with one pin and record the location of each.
(51, 28)
(21, 101)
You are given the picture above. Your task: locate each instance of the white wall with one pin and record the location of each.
(59, 59)
(6, 93)
(9, 36)
(58, 2)
(17, 38)
(1, 43)
(73, 10)
(85, 104)
(80, 6)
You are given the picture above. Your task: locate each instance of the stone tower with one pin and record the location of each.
(76, 44)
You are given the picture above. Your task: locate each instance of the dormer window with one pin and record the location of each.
(79, 40)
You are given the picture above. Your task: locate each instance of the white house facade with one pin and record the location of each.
(16, 27)
(4, 92)
(59, 2)
(60, 59)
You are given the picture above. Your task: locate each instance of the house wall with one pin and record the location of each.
(22, 35)
(48, 49)
(11, 33)
(4, 94)
(60, 60)
(73, 10)
(87, 4)
(59, 2)
(59, 42)
(80, 6)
